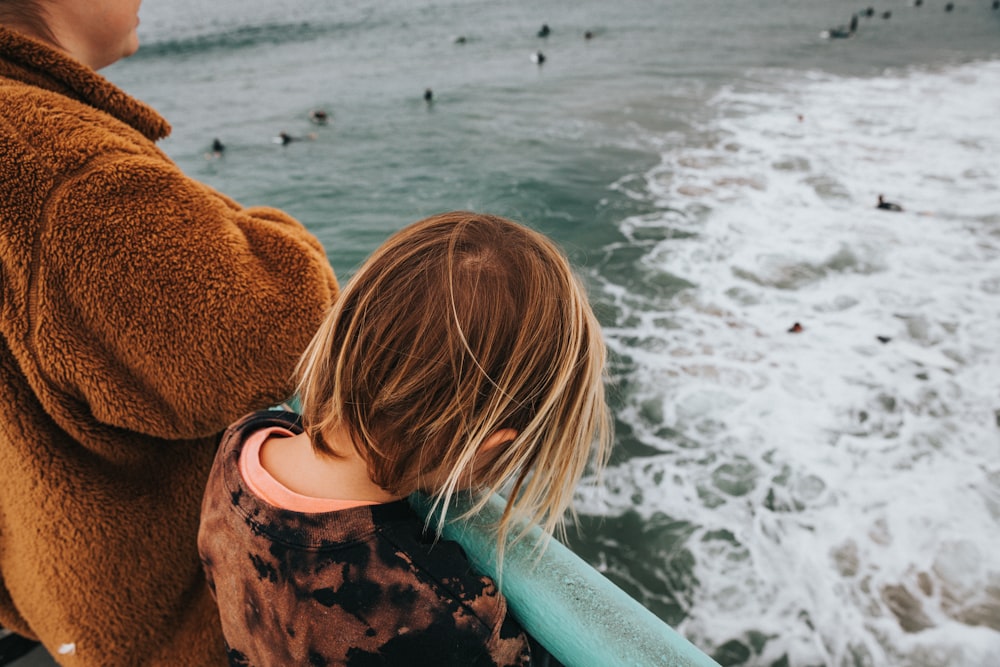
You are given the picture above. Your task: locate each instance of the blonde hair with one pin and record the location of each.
(459, 326)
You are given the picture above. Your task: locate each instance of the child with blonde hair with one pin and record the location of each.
(462, 357)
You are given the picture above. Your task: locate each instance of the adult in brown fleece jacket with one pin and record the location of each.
(140, 313)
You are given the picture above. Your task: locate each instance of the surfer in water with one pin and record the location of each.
(216, 152)
(887, 205)
(842, 32)
(284, 138)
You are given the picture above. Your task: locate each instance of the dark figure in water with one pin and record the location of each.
(887, 205)
(996, 4)
(544, 30)
(870, 12)
(284, 138)
(319, 116)
(590, 35)
(218, 148)
(950, 6)
(843, 32)
(538, 57)
(918, 3)
(886, 15)
(428, 96)
(796, 328)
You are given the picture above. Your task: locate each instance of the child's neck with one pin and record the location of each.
(297, 465)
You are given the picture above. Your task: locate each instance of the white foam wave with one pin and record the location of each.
(860, 478)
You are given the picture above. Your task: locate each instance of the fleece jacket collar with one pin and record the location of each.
(29, 61)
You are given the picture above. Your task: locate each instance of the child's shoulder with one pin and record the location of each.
(441, 561)
(465, 605)
(439, 564)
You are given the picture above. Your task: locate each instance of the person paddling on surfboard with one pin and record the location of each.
(462, 358)
(887, 205)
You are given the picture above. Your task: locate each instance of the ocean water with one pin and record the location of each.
(827, 497)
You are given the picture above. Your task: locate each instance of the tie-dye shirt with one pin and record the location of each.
(357, 587)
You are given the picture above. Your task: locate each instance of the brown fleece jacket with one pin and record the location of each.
(140, 313)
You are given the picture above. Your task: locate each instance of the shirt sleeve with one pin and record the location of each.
(163, 307)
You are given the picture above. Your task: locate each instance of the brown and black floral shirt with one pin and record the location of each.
(359, 587)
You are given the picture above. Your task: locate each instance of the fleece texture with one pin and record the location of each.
(141, 312)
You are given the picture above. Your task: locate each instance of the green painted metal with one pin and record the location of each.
(575, 612)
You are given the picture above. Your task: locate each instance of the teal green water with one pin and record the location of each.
(664, 154)
(541, 144)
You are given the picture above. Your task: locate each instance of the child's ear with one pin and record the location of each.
(501, 437)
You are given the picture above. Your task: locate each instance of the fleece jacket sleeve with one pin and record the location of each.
(163, 307)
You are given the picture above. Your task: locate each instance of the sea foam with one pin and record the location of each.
(843, 482)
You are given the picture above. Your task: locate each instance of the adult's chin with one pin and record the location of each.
(127, 49)
(130, 47)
